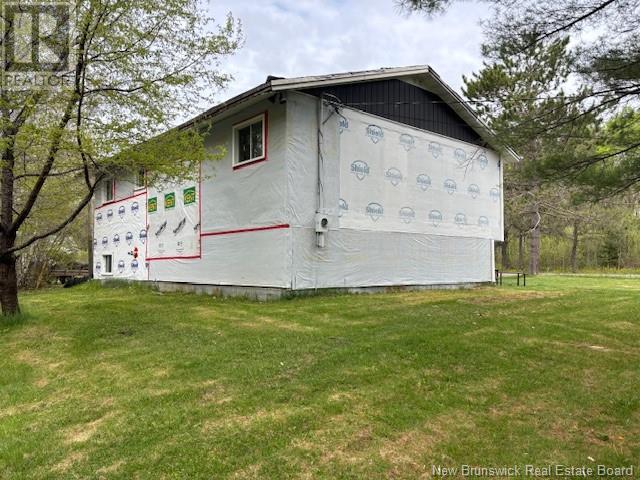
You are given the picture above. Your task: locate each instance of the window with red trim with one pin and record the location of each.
(249, 141)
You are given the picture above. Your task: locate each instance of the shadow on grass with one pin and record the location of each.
(11, 321)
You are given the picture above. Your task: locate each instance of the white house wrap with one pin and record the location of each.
(315, 193)
(399, 179)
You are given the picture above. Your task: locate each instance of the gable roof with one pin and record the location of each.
(422, 76)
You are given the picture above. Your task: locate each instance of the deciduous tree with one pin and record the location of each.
(137, 68)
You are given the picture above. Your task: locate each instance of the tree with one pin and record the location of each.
(136, 68)
(512, 92)
(617, 145)
(606, 70)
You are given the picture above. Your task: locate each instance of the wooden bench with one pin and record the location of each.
(518, 275)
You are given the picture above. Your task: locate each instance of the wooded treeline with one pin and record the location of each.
(599, 238)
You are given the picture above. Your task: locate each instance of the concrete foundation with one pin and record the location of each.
(271, 293)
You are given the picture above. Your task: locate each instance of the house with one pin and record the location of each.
(354, 180)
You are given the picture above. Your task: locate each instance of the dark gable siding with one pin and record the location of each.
(404, 103)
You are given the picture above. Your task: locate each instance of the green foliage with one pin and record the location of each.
(605, 77)
(138, 68)
(609, 239)
(617, 148)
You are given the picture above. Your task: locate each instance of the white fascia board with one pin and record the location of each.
(350, 77)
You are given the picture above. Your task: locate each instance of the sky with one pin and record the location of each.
(291, 38)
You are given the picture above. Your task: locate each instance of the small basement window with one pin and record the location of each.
(249, 141)
(109, 189)
(108, 264)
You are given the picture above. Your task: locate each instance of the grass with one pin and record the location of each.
(125, 382)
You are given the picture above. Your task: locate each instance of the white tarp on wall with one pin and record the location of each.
(245, 236)
(119, 228)
(258, 221)
(397, 247)
(397, 178)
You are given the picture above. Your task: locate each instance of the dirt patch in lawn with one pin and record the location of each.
(410, 454)
(247, 421)
(32, 358)
(426, 296)
(214, 394)
(594, 347)
(69, 461)
(263, 321)
(492, 296)
(114, 467)
(82, 433)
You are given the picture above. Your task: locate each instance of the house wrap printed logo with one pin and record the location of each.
(435, 149)
(435, 217)
(343, 123)
(105, 242)
(375, 133)
(474, 190)
(482, 161)
(343, 207)
(460, 219)
(407, 214)
(135, 208)
(460, 155)
(374, 211)
(360, 169)
(450, 186)
(483, 221)
(407, 141)
(494, 193)
(423, 181)
(143, 236)
(36, 49)
(121, 211)
(394, 176)
(129, 238)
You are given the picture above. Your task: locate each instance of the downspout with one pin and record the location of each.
(322, 219)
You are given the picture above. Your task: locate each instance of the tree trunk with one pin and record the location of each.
(90, 238)
(8, 274)
(534, 245)
(574, 247)
(9, 285)
(504, 251)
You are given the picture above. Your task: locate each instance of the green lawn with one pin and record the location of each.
(125, 382)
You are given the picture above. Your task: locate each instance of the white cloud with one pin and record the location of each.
(304, 37)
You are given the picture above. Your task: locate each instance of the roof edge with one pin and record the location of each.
(260, 90)
(418, 72)
(347, 77)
